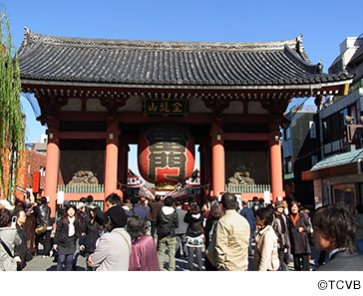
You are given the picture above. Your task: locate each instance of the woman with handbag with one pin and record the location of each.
(44, 226)
(66, 236)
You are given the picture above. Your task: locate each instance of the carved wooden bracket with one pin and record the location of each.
(112, 104)
(276, 109)
(49, 105)
(216, 104)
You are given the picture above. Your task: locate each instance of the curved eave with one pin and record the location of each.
(32, 38)
(314, 88)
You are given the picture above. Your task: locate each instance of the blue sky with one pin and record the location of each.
(324, 24)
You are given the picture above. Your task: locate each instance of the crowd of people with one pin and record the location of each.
(141, 234)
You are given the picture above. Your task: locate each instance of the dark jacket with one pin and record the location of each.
(209, 230)
(82, 221)
(279, 224)
(195, 224)
(343, 261)
(155, 207)
(299, 241)
(182, 226)
(140, 211)
(20, 250)
(167, 222)
(61, 234)
(92, 235)
(43, 214)
(250, 216)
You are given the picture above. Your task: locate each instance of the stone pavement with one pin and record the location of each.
(38, 263)
(48, 264)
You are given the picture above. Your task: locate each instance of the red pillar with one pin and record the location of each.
(123, 162)
(111, 163)
(52, 169)
(218, 165)
(276, 164)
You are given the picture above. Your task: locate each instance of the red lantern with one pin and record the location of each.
(166, 154)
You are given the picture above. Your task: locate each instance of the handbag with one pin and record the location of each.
(10, 264)
(41, 228)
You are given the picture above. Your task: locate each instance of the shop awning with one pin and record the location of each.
(335, 165)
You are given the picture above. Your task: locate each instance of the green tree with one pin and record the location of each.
(11, 116)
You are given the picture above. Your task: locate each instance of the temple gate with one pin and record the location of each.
(99, 96)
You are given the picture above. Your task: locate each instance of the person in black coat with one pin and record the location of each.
(335, 232)
(93, 232)
(250, 216)
(67, 232)
(299, 230)
(42, 211)
(194, 235)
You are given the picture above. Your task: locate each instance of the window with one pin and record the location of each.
(288, 165)
(344, 196)
(312, 127)
(287, 133)
(333, 127)
(314, 160)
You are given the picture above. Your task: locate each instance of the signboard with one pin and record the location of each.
(36, 182)
(21, 189)
(60, 197)
(266, 197)
(165, 107)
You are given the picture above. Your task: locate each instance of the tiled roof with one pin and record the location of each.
(338, 159)
(48, 58)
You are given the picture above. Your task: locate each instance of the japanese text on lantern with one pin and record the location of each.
(167, 156)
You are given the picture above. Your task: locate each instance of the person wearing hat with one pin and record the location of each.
(279, 224)
(114, 247)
